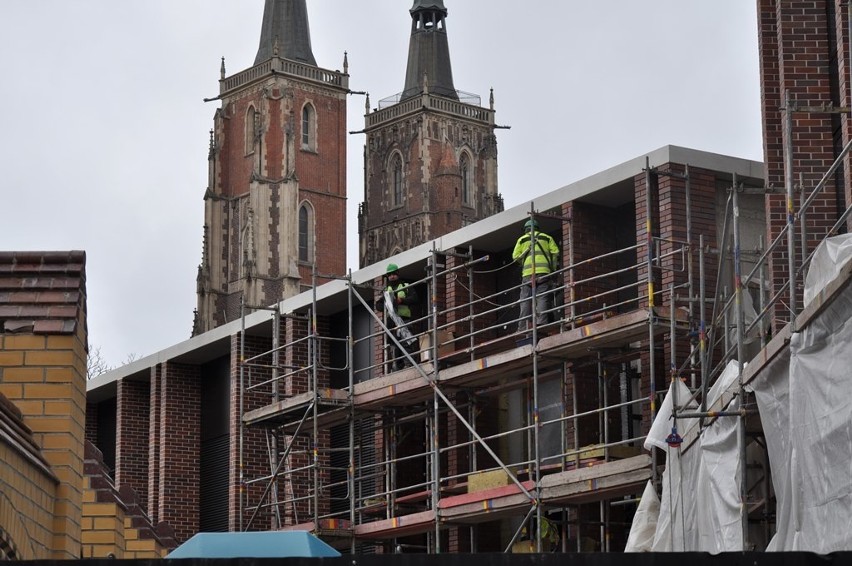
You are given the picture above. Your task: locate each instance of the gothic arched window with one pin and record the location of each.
(396, 179)
(251, 129)
(306, 232)
(309, 127)
(466, 184)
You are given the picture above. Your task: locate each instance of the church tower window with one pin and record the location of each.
(309, 123)
(251, 128)
(306, 232)
(467, 189)
(396, 178)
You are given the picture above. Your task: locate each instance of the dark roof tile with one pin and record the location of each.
(42, 292)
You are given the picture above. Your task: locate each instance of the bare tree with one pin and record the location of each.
(96, 363)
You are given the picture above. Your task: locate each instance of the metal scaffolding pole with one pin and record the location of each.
(740, 365)
(241, 394)
(649, 242)
(276, 341)
(791, 218)
(350, 471)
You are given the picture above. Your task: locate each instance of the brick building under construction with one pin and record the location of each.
(673, 268)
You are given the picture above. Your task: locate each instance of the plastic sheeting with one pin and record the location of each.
(644, 525)
(829, 258)
(805, 403)
(700, 505)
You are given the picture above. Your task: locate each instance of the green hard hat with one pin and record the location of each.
(392, 268)
(531, 223)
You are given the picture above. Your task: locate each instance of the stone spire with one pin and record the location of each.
(285, 28)
(429, 51)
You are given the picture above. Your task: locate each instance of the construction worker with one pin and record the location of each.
(402, 295)
(537, 265)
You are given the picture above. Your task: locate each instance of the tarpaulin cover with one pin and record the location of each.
(700, 505)
(641, 538)
(805, 403)
(266, 544)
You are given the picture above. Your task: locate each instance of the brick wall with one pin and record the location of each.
(45, 377)
(29, 490)
(431, 147)
(255, 452)
(180, 443)
(114, 525)
(271, 173)
(133, 427)
(801, 47)
(154, 441)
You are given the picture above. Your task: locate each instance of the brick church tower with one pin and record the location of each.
(431, 153)
(276, 192)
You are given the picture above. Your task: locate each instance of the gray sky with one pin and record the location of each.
(104, 138)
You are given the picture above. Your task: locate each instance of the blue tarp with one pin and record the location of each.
(267, 544)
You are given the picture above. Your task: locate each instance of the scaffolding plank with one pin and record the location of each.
(618, 330)
(291, 409)
(404, 525)
(486, 505)
(326, 527)
(408, 386)
(597, 489)
(596, 471)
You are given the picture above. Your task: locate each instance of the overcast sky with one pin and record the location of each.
(104, 139)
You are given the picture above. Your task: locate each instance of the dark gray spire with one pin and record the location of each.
(429, 52)
(429, 5)
(285, 32)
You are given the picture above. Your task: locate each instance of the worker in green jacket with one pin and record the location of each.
(537, 265)
(403, 296)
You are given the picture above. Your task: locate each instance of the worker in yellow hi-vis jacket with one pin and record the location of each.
(537, 265)
(398, 299)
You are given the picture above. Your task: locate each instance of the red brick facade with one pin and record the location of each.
(133, 418)
(427, 174)
(179, 449)
(278, 146)
(803, 53)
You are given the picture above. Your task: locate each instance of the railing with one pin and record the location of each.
(430, 102)
(287, 67)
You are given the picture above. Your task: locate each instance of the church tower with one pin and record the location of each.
(276, 197)
(431, 153)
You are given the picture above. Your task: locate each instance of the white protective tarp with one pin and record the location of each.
(641, 538)
(700, 505)
(829, 258)
(805, 403)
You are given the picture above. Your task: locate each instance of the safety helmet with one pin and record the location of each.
(392, 268)
(531, 224)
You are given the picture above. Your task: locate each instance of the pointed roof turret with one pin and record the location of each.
(429, 51)
(429, 5)
(285, 32)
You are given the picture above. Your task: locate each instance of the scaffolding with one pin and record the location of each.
(741, 328)
(532, 429)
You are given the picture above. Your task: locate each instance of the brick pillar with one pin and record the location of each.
(180, 448)
(92, 422)
(589, 243)
(799, 53)
(672, 229)
(133, 414)
(844, 88)
(154, 436)
(255, 452)
(299, 484)
(641, 190)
